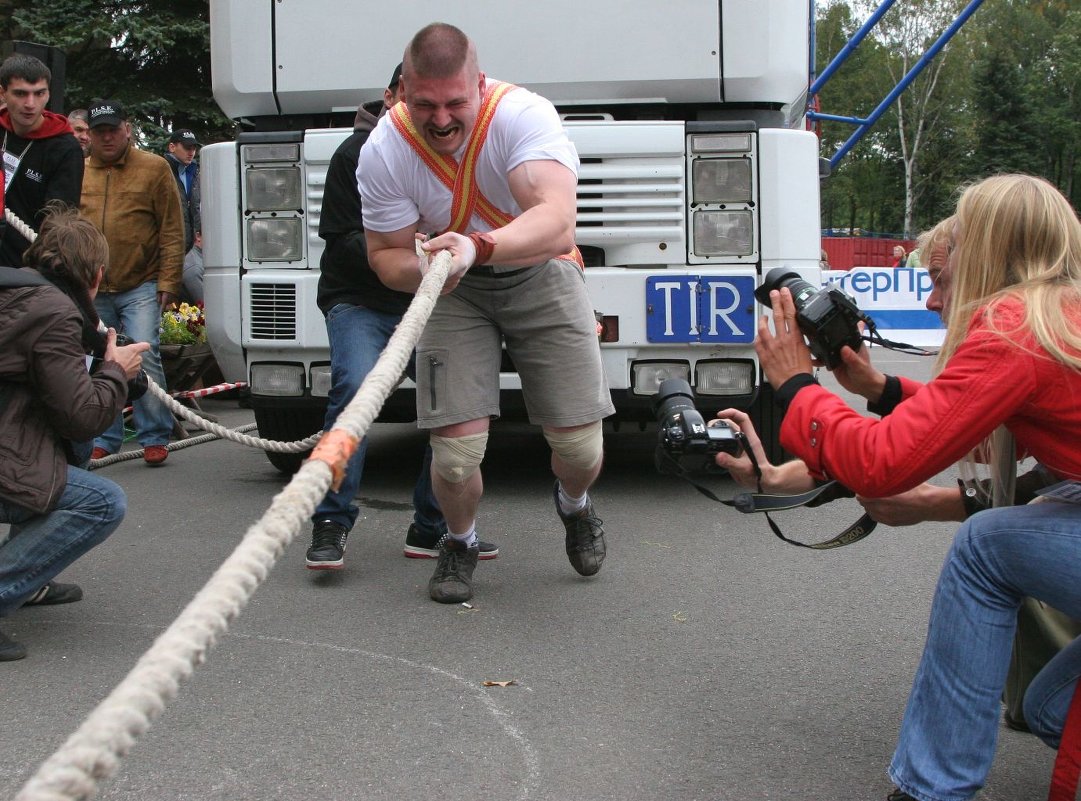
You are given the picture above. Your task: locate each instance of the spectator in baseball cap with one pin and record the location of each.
(106, 112)
(181, 158)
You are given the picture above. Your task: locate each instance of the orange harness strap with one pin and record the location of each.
(460, 179)
(467, 198)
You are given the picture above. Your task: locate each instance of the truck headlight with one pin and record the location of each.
(722, 233)
(721, 181)
(320, 379)
(273, 189)
(724, 377)
(721, 143)
(272, 152)
(646, 377)
(277, 379)
(275, 239)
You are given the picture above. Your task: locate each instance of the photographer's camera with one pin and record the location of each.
(829, 318)
(138, 385)
(685, 442)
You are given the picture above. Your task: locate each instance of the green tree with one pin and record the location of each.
(927, 109)
(1026, 103)
(151, 55)
(864, 190)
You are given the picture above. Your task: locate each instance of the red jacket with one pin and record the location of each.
(989, 381)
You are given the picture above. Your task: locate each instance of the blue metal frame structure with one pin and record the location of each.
(864, 124)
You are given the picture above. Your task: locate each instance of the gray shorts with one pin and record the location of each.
(545, 317)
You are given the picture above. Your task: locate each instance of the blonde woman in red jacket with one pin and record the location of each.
(1011, 364)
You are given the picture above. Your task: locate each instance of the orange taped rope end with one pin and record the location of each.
(335, 448)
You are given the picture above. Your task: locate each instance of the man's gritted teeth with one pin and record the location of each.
(444, 133)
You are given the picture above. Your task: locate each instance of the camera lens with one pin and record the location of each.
(779, 277)
(673, 395)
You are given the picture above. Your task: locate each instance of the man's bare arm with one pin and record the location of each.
(393, 257)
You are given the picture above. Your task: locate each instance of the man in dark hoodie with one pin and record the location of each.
(361, 314)
(42, 159)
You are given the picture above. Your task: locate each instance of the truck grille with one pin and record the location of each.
(632, 209)
(273, 311)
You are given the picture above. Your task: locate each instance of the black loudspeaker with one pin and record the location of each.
(53, 57)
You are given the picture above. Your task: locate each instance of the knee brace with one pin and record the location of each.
(582, 448)
(455, 459)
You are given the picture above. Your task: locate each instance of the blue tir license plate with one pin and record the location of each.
(693, 308)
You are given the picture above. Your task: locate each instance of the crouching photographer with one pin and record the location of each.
(51, 407)
(1012, 362)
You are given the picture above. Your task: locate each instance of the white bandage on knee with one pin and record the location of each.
(457, 458)
(582, 448)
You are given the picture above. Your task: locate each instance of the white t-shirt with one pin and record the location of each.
(397, 190)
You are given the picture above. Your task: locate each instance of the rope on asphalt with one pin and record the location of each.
(126, 456)
(94, 751)
(216, 431)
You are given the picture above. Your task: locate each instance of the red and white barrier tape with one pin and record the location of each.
(205, 391)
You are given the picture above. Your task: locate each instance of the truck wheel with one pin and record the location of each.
(287, 463)
(287, 425)
(767, 418)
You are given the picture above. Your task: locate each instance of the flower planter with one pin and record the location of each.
(184, 365)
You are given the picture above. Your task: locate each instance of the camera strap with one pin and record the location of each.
(872, 336)
(750, 502)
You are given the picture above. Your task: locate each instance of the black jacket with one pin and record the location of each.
(189, 201)
(51, 168)
(344, 273)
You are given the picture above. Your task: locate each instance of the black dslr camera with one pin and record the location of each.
(685, 442)
(137, 386)
(827, 317)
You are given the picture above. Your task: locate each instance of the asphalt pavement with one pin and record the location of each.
(707, 660)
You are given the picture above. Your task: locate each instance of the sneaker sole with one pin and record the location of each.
(416, 552)
(325, 565)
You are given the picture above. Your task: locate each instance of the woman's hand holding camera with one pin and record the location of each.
(856, 374)
(129, 357)
(783, 354)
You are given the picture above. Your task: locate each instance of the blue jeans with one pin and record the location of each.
(948, 735)
(137, 314)
(39, 546)
(357, 338)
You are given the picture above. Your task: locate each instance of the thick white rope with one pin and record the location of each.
(93, 752)
(225, 433)
(127, 456)
(217, 431)
(13, 220)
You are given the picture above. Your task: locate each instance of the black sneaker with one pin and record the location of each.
(426, 546)
(899, 795)
(327, 551)
(452, 581)
(55, 593)
(585, 538)
(10, 650)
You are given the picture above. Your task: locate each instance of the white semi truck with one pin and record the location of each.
(697, 177)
